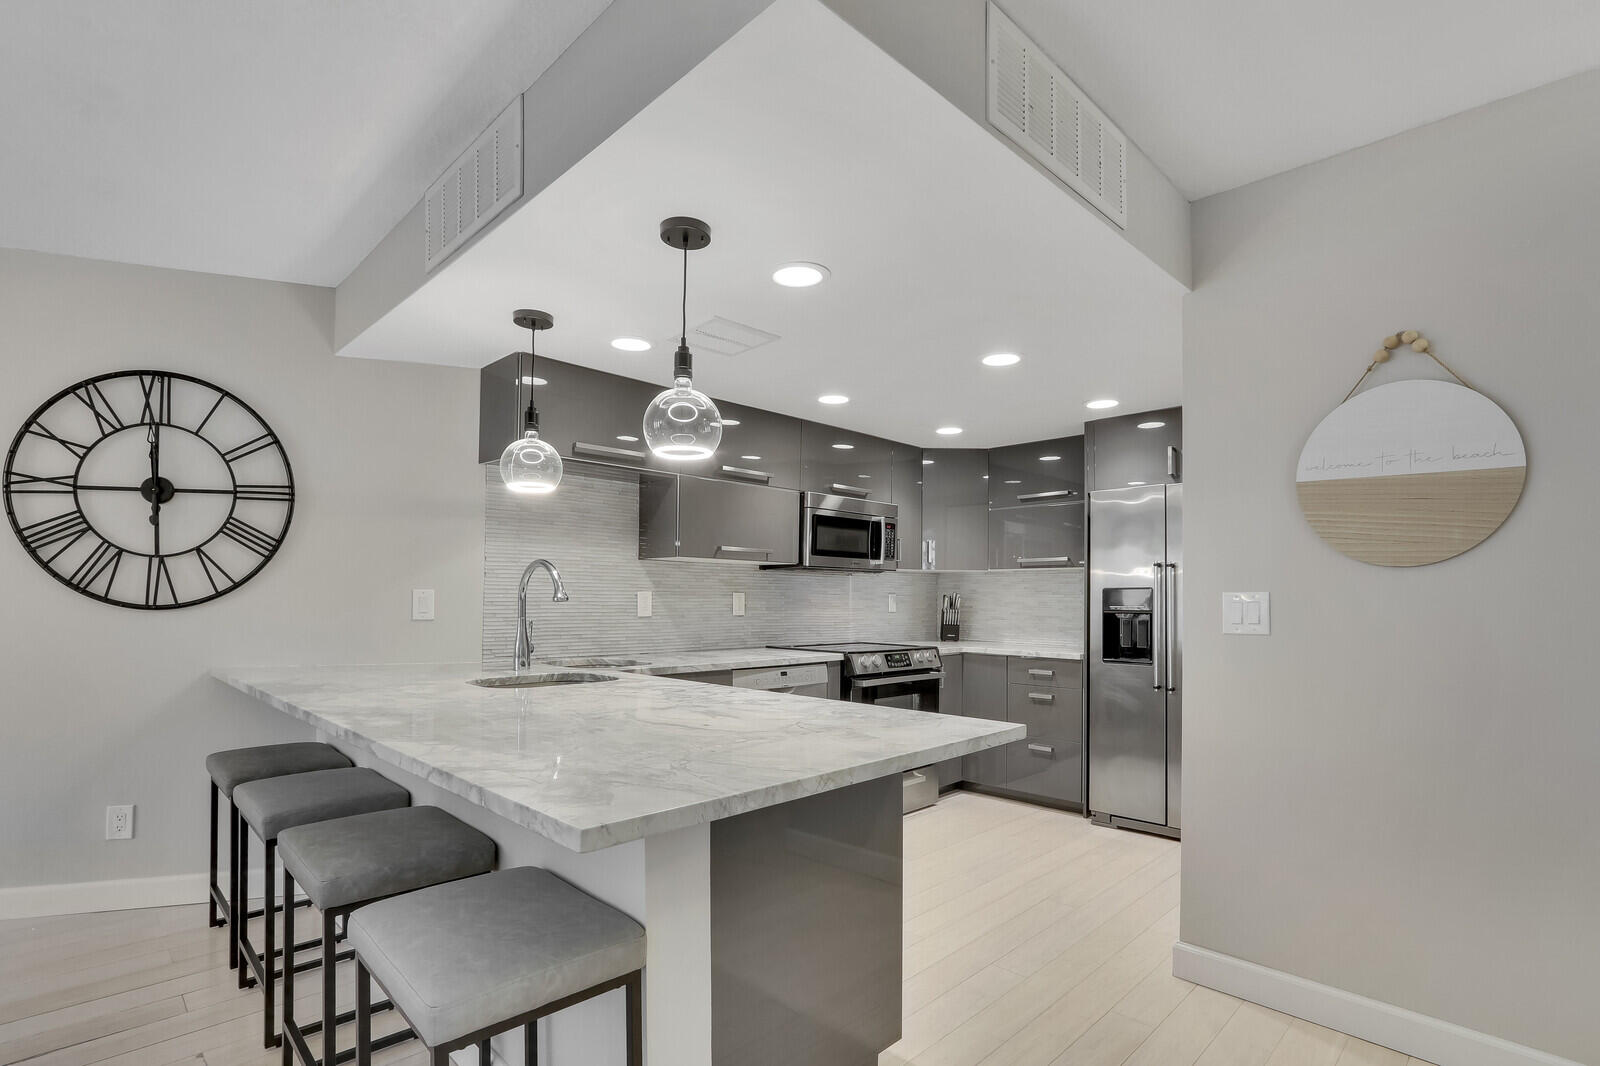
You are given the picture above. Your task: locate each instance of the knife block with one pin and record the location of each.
(949, 632)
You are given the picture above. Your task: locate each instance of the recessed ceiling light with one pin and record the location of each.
(1100, 405)
(526, 380)
(1136, 482)
(625, 437)
(844, 447)
(927, 462)
(948, 431)
(1151, 425)
(1002, 359)
(800, 275)
(752, 458)
(833, 399)
(1049, 458)
(631, 344)
(730, 421)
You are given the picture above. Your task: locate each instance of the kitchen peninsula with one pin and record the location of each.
(756, 835)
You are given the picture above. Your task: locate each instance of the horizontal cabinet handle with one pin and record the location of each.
(1034, 671)
(850, 490)
(1042, 749)
(606, 451)
(1053, 494)
(747, 473)
(731, 549)
(1042, 697)
(1045, 560)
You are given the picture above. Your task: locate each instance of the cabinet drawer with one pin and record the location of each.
(1051, 673)
(1048, 764)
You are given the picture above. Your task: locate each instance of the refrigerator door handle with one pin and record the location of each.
(1171, 635)
(1158, 625)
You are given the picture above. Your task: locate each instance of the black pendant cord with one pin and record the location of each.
(531, 418)
(682, 365)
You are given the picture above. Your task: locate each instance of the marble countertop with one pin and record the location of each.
(719, 659)
(1034, 650)
(592, 765)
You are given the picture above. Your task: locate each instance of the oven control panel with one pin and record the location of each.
(893, 661)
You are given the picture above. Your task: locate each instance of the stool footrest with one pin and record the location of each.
(315, 1027)
(297, 1037)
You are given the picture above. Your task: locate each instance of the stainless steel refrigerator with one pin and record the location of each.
(1135, 684)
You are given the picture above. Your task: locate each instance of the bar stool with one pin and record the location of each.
(238, 766)
(350, 862)
(466, 961)
(270, 806)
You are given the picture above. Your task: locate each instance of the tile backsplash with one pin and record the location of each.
(590, 530)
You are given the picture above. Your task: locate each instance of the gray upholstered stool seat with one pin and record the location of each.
(474, 955)
(230, 769)
(273, 804)
(346, 863)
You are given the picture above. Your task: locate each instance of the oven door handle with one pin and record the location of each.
(897, 679)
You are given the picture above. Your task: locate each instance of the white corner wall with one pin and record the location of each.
(104, 705)
(1394, 794)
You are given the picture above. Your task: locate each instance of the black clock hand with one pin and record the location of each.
(155, 486)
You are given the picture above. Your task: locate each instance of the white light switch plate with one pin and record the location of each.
(893, 606)
(1247, 613)
(422, 605)
(738, 605)
(644, 605)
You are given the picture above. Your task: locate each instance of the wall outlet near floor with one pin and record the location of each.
(894, 608)
(422, 605)
(738, 605)
(644, 605)
(119, 822)
(1247, 613)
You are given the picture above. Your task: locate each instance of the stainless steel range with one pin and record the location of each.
(893, 675)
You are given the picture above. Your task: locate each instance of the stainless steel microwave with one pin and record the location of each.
(845, 533)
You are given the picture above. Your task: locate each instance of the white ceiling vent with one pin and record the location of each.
(727, 337)
(1033, 102)
(476, 187)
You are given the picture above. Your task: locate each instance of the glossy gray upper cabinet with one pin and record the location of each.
(758, 447)
(955, 509)
(1117, 453)
(905, 491)
(845, 463)
(583, 413)
(1036, 504)
(725, 521)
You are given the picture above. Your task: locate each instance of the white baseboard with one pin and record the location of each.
(87, 897)
(1373, 1020)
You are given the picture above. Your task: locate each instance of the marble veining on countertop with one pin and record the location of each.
(592, 765)
(1029, 649)
(719, 659)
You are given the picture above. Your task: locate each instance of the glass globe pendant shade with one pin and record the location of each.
(682, 423)
(530, 465)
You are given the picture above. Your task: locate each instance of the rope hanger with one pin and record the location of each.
(1418, 343)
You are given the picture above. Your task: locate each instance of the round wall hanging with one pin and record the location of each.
(1412, 472)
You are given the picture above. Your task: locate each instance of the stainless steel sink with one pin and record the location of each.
(540, 680)
(595, 661)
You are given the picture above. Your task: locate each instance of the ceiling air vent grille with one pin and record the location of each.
(476, 187)
(1035, 104)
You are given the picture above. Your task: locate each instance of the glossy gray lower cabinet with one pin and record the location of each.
(845, 463)
(951, 701)
(1118, 454)
(955, 509)
(726, 521)
(983, 695)
(1049, 764)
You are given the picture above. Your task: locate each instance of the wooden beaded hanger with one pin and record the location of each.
(1418, 343)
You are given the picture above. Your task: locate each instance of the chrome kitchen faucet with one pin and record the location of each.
(524, 650)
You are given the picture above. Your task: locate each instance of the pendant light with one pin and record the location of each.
(682, 424)
(530, 465)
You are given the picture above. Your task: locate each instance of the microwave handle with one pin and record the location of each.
(882, 526)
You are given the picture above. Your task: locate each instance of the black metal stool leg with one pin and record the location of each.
(530, 1044)
(363, 1016)
(330, 992)
(269, 951)
(483, 1053)
(214, 889)
(239, 916)
(288, 968)
(635, 990)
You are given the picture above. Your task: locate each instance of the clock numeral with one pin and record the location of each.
(28, 483)
(155, 572)
(211, 569)
(102, 562)
(269, 493)
(250, 447)
(39, 429)
(157, 390)
(63, 529)
(249, 537)
(202, 426)
(95, 400)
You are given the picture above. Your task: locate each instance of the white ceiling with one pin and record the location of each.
(944, 246)
(1224, 92)
(267, 138)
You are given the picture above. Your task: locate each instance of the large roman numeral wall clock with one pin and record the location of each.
(148, 489)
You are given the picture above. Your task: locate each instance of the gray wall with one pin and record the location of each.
(590, 529)
(106, 705)
(1394, 793)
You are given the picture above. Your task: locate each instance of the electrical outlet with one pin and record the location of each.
(893, 607)
(422, 605)
(119, 822)
(644, 604)
(738, 605)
